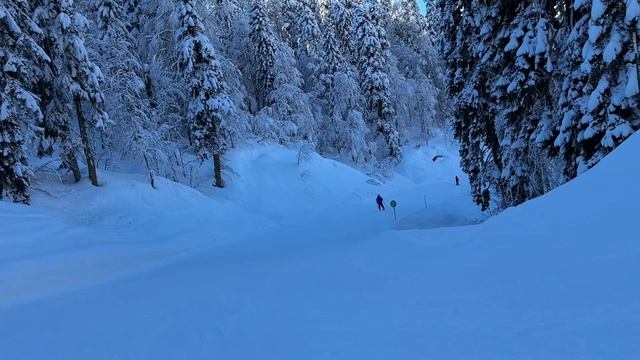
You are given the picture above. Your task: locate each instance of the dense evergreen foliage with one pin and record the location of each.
(541, 90)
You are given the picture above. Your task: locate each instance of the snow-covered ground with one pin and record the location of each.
(295, 262)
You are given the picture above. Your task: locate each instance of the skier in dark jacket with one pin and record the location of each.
(380, 202)
(457, 181)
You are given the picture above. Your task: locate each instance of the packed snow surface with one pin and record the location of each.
(294, 261)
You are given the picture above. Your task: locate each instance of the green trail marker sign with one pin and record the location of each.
(393, 205)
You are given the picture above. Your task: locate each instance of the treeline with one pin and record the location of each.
(168, 84)
(542, 89)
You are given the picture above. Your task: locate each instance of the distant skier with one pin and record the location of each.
(457, 181)
(380, 202)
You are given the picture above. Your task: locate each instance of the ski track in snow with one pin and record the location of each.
(297, 263)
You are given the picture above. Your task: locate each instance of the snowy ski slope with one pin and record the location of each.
(295, 262)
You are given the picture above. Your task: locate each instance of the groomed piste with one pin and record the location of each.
(294, 261)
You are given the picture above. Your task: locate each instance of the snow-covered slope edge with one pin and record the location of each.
(78, 235)
(554, 278)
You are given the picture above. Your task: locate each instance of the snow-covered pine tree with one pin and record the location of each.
(409, 23)
(133, 10)
(289, 106)
(523, 98)
(209, 103)
(419, 68)
(434, 22)
(264, 44)
(74, 80)
(385, 10)
(632, 23)
(456, 41)
(20, 61)
(472, 58)
(333, 61)
(506, 62)
(284, 15)
(164, 92)
(308, 30)
(309, 44)
(575, 88)
(284, 112)
(55, 124)
(139, 134)
(371, 46)
(228, 30)
(608, 57)
(324, 9)
(111, 19)
(232, 24)
(342, 20)
(343, 130)
(81, 78)
(381, 18)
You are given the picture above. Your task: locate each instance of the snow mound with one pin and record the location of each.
(271, 179)
(429, 164)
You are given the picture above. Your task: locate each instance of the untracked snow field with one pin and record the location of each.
(296, 262)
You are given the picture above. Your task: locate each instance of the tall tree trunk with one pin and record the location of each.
(86, 144)
(217, 158)
(494, 145)
(217, 170)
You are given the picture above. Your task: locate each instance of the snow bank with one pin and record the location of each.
(78, 235)
(269, 179)
(555, 278)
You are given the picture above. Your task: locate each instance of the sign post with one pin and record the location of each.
(393, 205)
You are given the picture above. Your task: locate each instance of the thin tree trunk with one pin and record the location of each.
(217, 159)
(635, 49)
(72, 163)
(494, 145)
(69, 154)
(86, 144)
(217, 169)
(152, 177)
